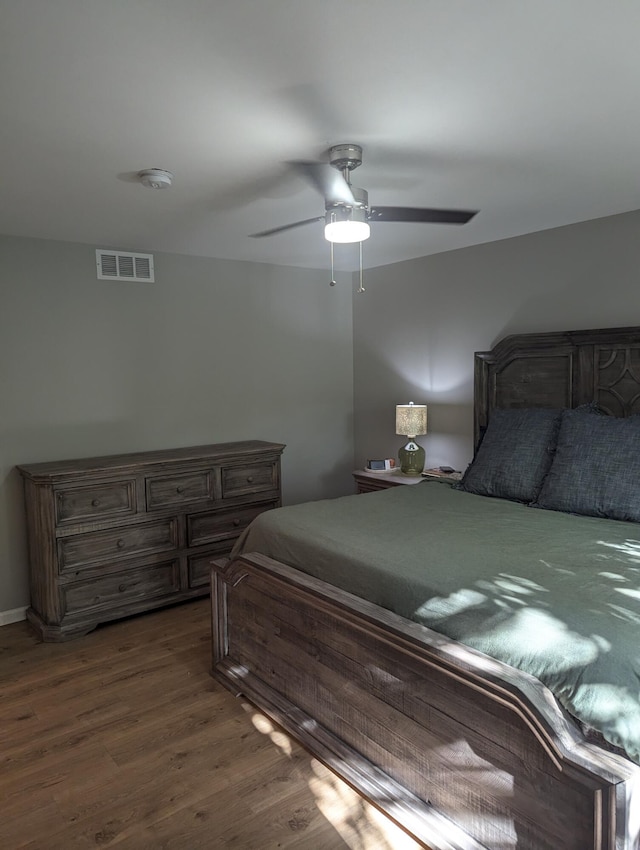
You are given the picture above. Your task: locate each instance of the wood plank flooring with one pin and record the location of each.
(122, 739)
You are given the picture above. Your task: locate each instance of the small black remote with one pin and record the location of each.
(446, 469)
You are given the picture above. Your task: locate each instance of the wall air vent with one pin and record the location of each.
(122, 265)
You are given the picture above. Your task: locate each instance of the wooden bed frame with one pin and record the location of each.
(462, 751)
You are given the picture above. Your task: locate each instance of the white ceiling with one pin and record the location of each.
(525, 110)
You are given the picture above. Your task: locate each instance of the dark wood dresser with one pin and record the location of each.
(113, 536)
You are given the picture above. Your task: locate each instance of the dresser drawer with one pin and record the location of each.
(173, 491)
(86, 550)
(254, 478)
(108, 535)
(125, 588)
(98, 501)
(199, 566)
(220, 525)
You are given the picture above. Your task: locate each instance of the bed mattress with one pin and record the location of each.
(553, 594)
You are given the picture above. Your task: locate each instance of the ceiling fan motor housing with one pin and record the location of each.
(361, 198)
(345, 156)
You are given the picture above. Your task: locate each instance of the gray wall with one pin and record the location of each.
(419, 322)
(213, 351)
(218, 350)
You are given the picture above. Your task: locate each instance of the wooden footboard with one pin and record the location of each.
(462, 751)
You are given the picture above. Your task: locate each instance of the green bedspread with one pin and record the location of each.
(553, 594)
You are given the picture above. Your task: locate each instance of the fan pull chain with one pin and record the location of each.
(332, 282)
(361, 287)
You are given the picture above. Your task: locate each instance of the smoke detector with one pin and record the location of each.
(155, 178)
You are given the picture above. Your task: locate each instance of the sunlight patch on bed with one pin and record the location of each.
(519, 583)
(615, 711)
(506, 591)
(439, 608)
(560, 570)
(541, 632)
(507, 601)
(613, 702)
(464, 653)
(536, 634)
(511, 587)
(624, 613)
(630, 548)
(627, 591)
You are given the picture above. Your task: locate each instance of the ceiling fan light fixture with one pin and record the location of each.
(347, 231)
(347, 224)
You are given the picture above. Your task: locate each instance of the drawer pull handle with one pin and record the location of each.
(250, 479)
(95, 503)
(122, 587)
(236, 521)
(121, 544)
(179, 489)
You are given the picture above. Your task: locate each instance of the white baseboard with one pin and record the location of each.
(13, 616)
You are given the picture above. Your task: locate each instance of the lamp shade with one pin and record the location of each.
(411, 419)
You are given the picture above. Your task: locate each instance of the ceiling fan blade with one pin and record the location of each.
(327, 180)
(286, 227)
(417, 215)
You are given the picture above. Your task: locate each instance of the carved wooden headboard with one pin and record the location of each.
(563, 369)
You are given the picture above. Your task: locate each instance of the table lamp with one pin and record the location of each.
(411, 420)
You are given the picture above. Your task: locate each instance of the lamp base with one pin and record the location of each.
(411, 457)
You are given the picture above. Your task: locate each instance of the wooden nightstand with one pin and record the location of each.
(367, 482)
(437, 475)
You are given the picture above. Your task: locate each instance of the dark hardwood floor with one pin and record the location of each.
(122, 739)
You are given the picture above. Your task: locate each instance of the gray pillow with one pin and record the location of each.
(514, 455)
(596, 467)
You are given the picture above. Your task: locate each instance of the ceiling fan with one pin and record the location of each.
(347, 211)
